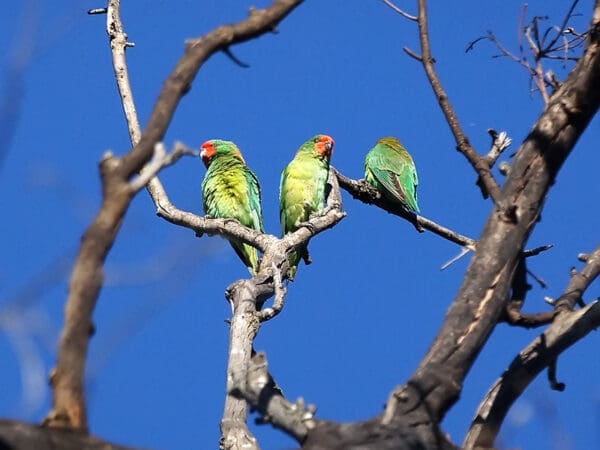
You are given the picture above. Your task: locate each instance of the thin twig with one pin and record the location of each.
(362, 191)
(400, 11)
(278, 299)
(520, 287)
(160, 160)
(579, 282)
(485, 179)
(500, 142)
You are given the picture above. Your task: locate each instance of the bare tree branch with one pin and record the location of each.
(160, 160)
(519, 288)
(538, 49)
(400, 11)
(264, 395)
(21, 436)
(68, 406)
(567, 328)
(278, 302)
(563, 333)
(500, 142)
(243, 328)
(486, 181)
(437, 382)
(579, 282)
(361, 190)
(482, 296)
(246, 298)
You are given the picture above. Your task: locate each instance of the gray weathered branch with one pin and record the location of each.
(68, 399)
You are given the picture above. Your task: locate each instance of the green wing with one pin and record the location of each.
(301, 193)
(393, 172)
(231, 190)
(254, 200)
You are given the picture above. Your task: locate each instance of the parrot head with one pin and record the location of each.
(323, 145)
(216, 147)
(319, 146)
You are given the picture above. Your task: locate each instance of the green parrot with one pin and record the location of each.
(390, 169)
(302, 190)
(231, 190)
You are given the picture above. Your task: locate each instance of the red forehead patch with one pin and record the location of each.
(207, 151)
(324, 145)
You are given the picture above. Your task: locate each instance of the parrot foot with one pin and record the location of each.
(416, 224)
(308, 225)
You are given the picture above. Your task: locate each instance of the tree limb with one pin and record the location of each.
(246, 298)
(68, 400)
(567, 328)
(486, 181)
(563, 333)
(361, 190)
(579, 282)
(15, 435)
(437, 382)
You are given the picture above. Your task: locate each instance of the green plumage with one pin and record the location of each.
(302, 190)
(231, 190)
(391, 170)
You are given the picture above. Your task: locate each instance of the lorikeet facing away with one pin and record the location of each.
(231, 190)
(391, 170)
(302, 190)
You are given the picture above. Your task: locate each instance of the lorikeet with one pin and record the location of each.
(302, 190)
(231, 190)
(390, 169)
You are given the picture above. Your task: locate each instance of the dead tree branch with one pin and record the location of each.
(554, 43)
(21, 436)
(68, 405)
(489, 186)
(400, 11)
(579, 282)
(246, 298)
(483, 294)
(361, 190)
(437, 382)
(567, 328)
(519, 288)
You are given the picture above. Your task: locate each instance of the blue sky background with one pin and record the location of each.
(359, 319)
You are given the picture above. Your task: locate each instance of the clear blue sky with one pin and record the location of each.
(359, 319)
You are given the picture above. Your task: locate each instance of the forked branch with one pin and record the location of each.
(487, 183)
(68, 399)
(567, 328)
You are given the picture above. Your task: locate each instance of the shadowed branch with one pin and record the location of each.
(567, 328)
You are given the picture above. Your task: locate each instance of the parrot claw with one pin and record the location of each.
(308, 225)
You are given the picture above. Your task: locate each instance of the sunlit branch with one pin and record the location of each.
(567, 328)
(68, 403)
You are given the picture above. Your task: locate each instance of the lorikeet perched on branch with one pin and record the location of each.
(231, 190)
(302, 190)
(390, 169)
